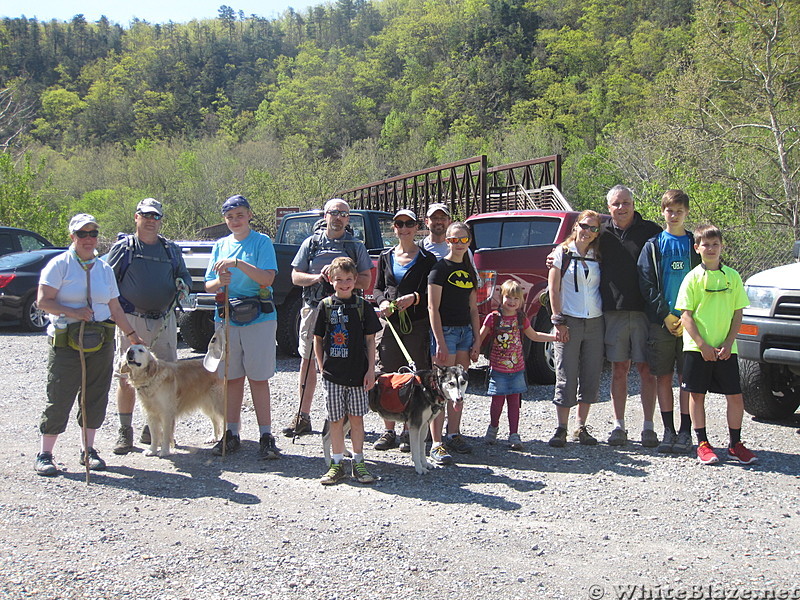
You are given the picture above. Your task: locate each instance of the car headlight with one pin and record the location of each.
(761, 299)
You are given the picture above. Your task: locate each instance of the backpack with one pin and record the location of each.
(327, 302)
(486, 347)
(544, 295)
(127, 258)
(393, 391)
(323, 287)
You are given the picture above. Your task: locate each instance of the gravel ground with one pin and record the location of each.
(569, 523)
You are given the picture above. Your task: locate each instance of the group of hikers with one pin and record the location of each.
(624, 290)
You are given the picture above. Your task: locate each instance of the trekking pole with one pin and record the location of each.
(83, 400)
(303, 391)
(226, 325)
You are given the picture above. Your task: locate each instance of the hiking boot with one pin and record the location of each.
(457, 443)
(706, 454)
(667, 444)
(300, 425)
(618, 437)
(649, 438)
(387, 440)
(44, 465)
(144, 437)
(440, 456)
(584, 437)
(742, 454)
(124, 440)
(683, 443)
(405, 445)
(334, 475)
(491, 435)
(95, 462)
(515, 442)
(361, 474)
(559, 439)
(267, 449)
(232, 444)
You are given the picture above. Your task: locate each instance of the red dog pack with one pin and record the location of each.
(395, 390)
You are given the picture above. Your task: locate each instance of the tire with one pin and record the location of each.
(289, 325)
(197, 328)
(540, 363)
(33, 319)
(769, 391)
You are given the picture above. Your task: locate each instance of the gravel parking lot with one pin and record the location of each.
(571, 523)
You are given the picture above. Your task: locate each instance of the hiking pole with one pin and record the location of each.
(83, 400)
(226, 325)
(302, 391)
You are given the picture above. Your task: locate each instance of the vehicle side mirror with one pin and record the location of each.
(796, 250)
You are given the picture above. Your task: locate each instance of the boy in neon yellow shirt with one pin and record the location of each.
(711, 299)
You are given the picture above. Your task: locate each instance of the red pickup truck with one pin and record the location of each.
(515, 245)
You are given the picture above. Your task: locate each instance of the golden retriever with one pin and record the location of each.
(168, 390)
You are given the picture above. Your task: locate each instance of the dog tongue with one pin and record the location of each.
(457, 406)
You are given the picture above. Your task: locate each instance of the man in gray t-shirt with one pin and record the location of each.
(148, 269)
(309, 270)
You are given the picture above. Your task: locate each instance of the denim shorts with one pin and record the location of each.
(458, 338)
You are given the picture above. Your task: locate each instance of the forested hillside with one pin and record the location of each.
(697, 94)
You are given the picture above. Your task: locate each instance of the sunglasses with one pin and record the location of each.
(84, 234)
(338, 213)
(401, 224)
(151, 216)
(587, 227)
(458, 240)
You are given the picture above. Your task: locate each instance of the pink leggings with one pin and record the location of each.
(514, 403)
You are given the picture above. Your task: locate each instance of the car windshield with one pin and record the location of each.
(299, 228)
(497, 233)
(18, 260)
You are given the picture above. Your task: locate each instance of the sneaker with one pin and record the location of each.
(301, 424)
(683, 443)
(515, 442)
(559, 439)
(124, 440)
(44, 465)
(706, 454)
(144, 437)
(742, 454)
(405, 445)
(334, 475)
(649, 438)
(232, 444)
(361, 474)
(95, 462)
(491, 435)
(440, 456)
(667, 444)
(457, 443)
(387, 440)
(618, 437)
(584, 437)
(267, 449)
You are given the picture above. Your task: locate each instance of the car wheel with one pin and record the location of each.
(33, 318)
(541, 362)
(289, 325)
(769, 391)
(197, 328)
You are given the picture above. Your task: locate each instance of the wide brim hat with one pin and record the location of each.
(216, 351)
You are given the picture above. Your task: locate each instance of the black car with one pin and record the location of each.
(13, 239)
(19, 281)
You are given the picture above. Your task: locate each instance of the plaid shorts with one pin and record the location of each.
(341, 400)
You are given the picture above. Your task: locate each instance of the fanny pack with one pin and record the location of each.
(95, 334)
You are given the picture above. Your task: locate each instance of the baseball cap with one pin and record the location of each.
(80, 220)
(405, 213)
(235, 202)
(434, 207)
(150, 205)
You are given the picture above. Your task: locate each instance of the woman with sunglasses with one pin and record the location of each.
(578, 317)
(455, 325)
(401, 292)
(75, 286)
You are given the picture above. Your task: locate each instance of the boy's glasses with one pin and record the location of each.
(338, 213)
(408, 224)
(151, 216)
(84, 234)
(587, 227)
(458, 240)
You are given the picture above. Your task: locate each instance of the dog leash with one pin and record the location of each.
(409, 360)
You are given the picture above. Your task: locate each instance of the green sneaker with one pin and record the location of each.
(334, 475)
(361, 474)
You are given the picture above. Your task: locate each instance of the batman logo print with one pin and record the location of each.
(460, 279)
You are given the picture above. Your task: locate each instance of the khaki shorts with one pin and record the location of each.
(165, 346)
(251, 351)
(626, 336)
(664, 351)
(305, 341)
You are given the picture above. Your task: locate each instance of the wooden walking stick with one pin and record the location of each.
(83, 400)
(226, 354)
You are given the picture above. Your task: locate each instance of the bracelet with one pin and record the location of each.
(236, 264)
(558, 319)
(131, 333)
(416, 298)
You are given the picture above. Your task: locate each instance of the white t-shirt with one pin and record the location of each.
(585, 302)
(65, 274)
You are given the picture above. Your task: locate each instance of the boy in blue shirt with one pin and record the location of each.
(663, 263)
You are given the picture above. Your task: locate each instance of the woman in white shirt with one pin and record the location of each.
(574, 283)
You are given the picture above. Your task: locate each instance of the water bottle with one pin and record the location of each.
(60, 331)
(265, 299)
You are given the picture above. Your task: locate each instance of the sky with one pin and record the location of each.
(153, 11)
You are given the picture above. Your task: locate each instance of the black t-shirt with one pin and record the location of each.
(457, 284)
(345, 360)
